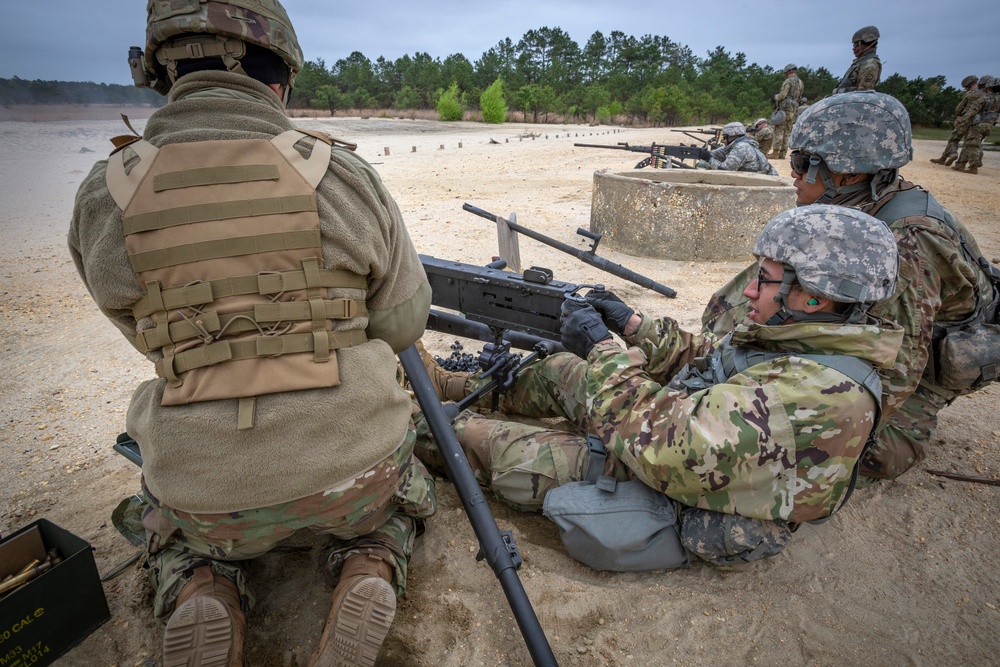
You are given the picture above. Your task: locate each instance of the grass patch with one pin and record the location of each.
(938, 133)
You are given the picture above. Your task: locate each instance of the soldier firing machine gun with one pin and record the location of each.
(661, 156)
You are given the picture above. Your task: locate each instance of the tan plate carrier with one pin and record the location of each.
(224, 237)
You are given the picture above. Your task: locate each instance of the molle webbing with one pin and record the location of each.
(205, 325)
(277, 283)
(221, 248)
(261, 346)
(225, 238)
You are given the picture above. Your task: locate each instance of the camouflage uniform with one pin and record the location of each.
(863, 74)
(764, 138)
(741, 154)
(971, 104)
(788, 101)
(982, 125)
(238, 500)
(791, 461)
(937, 283)
(380, 507)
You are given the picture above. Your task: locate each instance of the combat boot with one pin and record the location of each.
(207, 627)
(949, 160)
(972, 170)
(361, 613)
(938, 160)
(448, 385)
(959, 166)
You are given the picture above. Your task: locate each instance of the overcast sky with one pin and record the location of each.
(69, 40)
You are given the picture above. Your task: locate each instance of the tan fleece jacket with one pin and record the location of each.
(303, 442)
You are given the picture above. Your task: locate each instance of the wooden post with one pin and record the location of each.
(507, 244)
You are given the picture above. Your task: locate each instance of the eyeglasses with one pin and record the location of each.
(800, 162)
(761, 280)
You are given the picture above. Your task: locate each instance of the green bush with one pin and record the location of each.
(493, 103)
(449, 104)
(607, 112)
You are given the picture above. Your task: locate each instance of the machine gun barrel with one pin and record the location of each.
(495, 546)
(588, 256)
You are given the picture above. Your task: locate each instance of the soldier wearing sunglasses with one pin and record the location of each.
(847, 150)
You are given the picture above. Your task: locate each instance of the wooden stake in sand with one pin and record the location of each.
(507, 244)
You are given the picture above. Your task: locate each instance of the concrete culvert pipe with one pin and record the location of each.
(686, 214)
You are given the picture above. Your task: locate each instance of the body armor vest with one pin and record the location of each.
(224, 237)
(848, 84)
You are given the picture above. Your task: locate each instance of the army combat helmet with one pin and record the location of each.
(840, 253)
(969, 80)
(868, 34)
(179, 30)
(863, 132)
(734, 129)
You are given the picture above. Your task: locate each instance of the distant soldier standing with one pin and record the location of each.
(866, 70)
(966, 110)
(982, 125)
(787, 99)
(764, 135)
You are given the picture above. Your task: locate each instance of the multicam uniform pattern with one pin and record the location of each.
(381, 507)
(936, 283)
(741, 154)
(291, 463)
(764, 138)
(971, 104)
(981, 127)
(863, 74)
(788, 99)
(778, 441)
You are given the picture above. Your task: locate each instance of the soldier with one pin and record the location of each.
(706, 440)
(970, 104)
(737, 153)
(787, 100)
(764, 135)
(982, 125)
(866, 70)
(941, 283)
(268, 275)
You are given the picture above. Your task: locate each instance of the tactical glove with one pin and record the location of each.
(581, 327)
(613, 310)
(704, 154)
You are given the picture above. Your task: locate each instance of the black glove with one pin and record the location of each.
(613, 310)
(581, 327)
(704, 154)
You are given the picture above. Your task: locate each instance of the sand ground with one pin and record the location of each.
(905, 575)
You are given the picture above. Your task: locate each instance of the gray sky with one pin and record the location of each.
(66, 40)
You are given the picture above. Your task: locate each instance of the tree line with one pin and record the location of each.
(547, 76)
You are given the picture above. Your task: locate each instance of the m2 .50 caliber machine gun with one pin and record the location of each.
(660, 156)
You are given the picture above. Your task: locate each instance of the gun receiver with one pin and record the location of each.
(589, 256)
(661, 156)
(501, 300)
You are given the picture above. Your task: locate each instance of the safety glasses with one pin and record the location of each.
(799, 162)
(761, 280)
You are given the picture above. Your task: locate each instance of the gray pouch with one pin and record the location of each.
(617, 526)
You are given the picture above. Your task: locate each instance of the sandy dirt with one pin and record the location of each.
(905, 575)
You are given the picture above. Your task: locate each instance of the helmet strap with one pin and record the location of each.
(818, 167)
(856, 314)
(783, 314)
(226, 49)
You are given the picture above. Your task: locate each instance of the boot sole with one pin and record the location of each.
(198, 634)
(363, 621)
